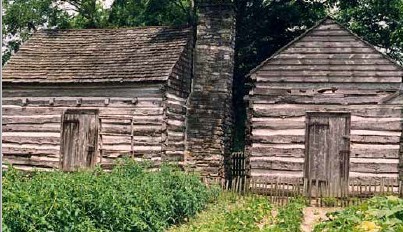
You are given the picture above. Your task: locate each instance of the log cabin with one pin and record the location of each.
(73, 98)
(76, 98)
(326, 107)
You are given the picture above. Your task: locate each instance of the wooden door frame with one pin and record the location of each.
(94, 112)
(308, 115)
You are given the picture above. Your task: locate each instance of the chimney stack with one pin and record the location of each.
(209, 115)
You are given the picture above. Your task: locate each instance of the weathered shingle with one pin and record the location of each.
(100, 55)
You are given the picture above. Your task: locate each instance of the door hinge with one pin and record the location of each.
(344, 151)
(347, 137)
(91, 148)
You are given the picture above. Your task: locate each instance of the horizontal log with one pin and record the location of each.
(328, 56)
(266, 173)
(26, 161)
(278, 125)
(325, 67)
(85, 90)
(314, 91)
(128, 119)
(375, 132)
(329, 85)
(145, 130)
(174, 97)
(369, 152)
(138, 140)
(374, 139)
(328, 25)
(269, 132)
(354, 175)
(329, 33)
(33, 119)
(380, 124)
(279, 139)
(20, 151)
(296, 152)
(27, 111)
(85, 101)
(136, 154)
(127, 147)
(175, 116)
(277, 165)
(173, 158)
(327, 44)
(299, 139)
(151, 120)
(54, 127)
(374, 167)
(27, 168)
(329, 50)
(32, 134)
(324, 78)
(295, 110)
(31, 140)
(318, 99)
(333, 61)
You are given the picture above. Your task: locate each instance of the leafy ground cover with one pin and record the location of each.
(129, 198)
(232, 212)
(379, 214)
(290, 216)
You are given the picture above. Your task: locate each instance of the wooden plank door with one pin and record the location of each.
(327, 153)
(79, 138)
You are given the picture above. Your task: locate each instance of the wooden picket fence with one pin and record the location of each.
(280, 190)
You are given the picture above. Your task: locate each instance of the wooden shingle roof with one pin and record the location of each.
(97, 55)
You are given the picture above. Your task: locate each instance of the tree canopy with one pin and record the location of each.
(263, 26)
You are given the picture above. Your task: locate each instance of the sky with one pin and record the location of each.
(108, 3)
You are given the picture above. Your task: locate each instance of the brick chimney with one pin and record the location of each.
(209, 115)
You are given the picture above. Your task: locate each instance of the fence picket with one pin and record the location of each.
(280, 190)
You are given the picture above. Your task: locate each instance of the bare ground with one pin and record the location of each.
(313, 215)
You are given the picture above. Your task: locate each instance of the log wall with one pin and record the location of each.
(178, 90)
(397, 99)
(328, 69)
(131, 122)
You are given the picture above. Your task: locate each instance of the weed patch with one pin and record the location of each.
(231, 212)
(379, 214)
(127, 199)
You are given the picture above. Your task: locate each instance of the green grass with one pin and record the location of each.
(233, 212)
(127, 199)
(289, 217)
(230, 212)
(379, 214)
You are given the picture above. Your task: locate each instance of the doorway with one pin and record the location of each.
(79, 138)
(327, 153)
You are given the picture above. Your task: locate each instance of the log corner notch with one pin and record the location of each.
(209, 114)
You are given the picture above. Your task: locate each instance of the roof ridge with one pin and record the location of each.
(184, 27)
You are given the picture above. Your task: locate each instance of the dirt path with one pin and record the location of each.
(313, 215)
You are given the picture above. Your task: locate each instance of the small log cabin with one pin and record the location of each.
(75, 98)
(325, 107)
